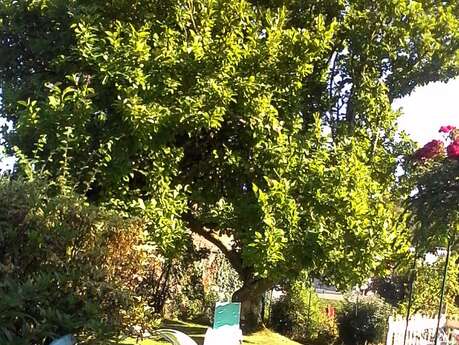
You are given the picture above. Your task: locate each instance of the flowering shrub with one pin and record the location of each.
(435, 191)
(453, 150)
(430, 150)
(446, 129)
(436, 148)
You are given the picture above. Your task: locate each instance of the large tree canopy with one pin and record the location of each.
(264, 126)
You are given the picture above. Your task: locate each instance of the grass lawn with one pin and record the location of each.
(267, 337)
(196, 331)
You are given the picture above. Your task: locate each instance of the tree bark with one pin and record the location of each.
(250, 295)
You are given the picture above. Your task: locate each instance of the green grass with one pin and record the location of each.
(196, 331)
(267, 337)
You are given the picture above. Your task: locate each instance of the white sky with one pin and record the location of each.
(5, 163)
(428, 108)
(425, 110)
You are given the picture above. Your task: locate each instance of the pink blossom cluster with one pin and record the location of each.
(446, 129)
(453, 149)
(430, 150)
(436, 148)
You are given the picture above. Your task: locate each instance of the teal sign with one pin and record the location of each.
(227, 314)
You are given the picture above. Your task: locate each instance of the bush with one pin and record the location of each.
(300, 315)
(66, 267)
(363, 321)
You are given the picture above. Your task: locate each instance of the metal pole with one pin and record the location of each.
(410, 296)
(270, 306)
(309, 309)
(443, 284)
(263, 307)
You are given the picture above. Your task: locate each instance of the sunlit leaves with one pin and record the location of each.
(268, 124)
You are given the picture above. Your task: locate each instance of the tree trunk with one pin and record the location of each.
(250, 295)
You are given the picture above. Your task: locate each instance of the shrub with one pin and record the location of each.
(363, 321)
(300, 315)
(66, 267)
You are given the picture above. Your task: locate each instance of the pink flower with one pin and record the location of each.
(446, 129)
(430, 150)
(453, 150)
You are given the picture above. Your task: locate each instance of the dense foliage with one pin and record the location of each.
(301, 315)
(363, 321)
(427, 279)
(427, 288)
(435, 214)
(66, 267)
(266, 124)
(393, 289)
(196, 282)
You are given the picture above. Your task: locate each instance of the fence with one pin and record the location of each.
(421, 331)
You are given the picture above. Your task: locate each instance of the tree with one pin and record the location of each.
(265, 127)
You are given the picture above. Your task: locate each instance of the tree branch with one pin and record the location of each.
(204, 230)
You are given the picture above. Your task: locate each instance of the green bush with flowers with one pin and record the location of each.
(434, 170)
(434, 202)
